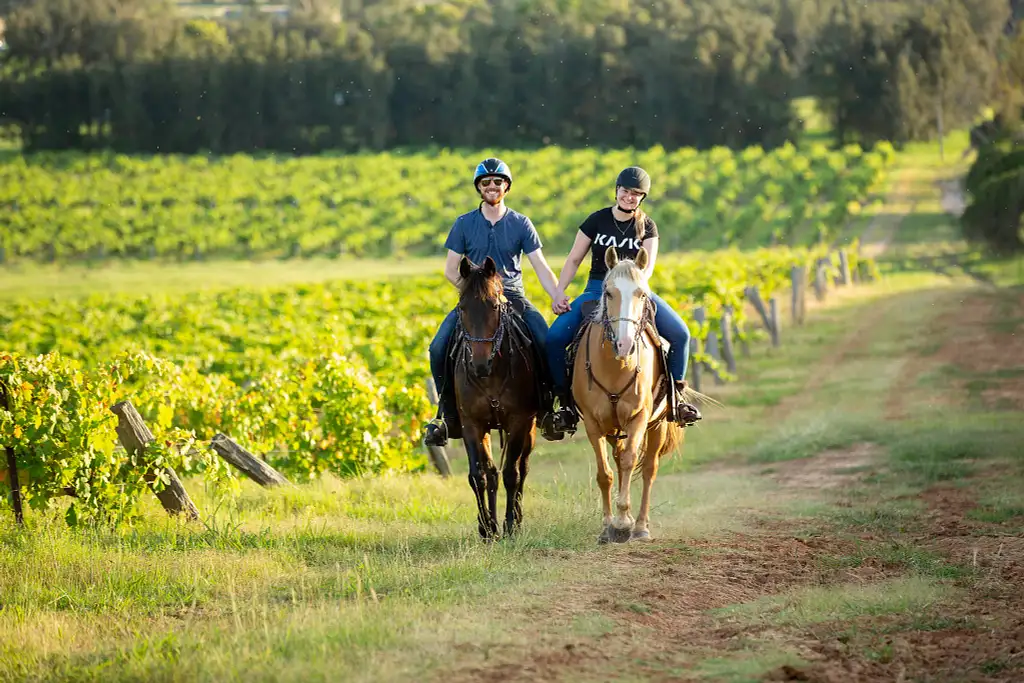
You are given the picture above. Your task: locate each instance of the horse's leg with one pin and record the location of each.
(626, 458)
(517, 455)
(641, 530)
(604, 476)
(524, 463)
(491, 477)
(477, 456)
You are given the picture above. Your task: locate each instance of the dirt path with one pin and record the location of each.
(883, 228)
(654, 618)
(852, 343)
(954, 200)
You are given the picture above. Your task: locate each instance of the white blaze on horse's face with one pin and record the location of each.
(630, 304)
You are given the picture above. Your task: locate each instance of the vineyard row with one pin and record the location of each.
(64, 207)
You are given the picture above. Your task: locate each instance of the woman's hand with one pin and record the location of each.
(560, 303)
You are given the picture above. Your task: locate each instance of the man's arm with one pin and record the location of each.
(544, 272)
(451, 268)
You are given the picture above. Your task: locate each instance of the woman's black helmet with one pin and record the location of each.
(634, 178)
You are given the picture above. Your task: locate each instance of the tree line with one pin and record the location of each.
(995, 181)
(138, 76)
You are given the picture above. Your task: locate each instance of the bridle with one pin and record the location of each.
(495, 339)
(639, 325)
(646, 318)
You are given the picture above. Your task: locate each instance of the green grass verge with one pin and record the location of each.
(138, 278)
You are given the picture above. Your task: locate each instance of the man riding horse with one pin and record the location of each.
(494, 230)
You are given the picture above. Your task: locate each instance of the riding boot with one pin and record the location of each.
(685, 413)
(557, 422)
(447, 424)
(547, 417)
(566, 417)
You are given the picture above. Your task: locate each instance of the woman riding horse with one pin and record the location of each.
(626, 227)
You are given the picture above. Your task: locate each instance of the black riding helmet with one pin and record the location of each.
(493, 167)
(634, 178)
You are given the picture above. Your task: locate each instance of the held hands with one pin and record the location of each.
(560, 303)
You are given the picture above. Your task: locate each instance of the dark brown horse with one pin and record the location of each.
(495, 388)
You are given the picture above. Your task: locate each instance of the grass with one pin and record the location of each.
(34, 281)
(749, 667)
(806, 606)
(341, 568)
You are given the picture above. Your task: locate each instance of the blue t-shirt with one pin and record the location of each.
(506, 241)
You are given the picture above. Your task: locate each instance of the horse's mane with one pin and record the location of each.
(627, 268)
(480, 286)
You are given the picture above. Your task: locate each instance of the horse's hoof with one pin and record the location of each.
(613, 535)
(640, 535)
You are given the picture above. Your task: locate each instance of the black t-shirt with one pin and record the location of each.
(605, 231)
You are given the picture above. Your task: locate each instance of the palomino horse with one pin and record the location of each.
(617, 371)
(495, 388)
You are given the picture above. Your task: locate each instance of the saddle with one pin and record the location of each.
(663, 388)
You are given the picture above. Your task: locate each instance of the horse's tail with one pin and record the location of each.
(675, 433)
(673, 439)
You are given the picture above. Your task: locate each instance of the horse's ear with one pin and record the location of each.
(641, 259)
(465, 267)
(611, 258)
(489, 267)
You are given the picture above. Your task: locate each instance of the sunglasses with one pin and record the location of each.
(487, 182)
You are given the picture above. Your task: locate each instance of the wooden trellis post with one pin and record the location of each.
(700, 316)
(438, 454)
(727, 348)
(770, 320)
(799, 280)
(12, 469)
(254, 468)
(135, 436)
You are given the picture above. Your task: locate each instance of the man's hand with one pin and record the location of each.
(560, 303)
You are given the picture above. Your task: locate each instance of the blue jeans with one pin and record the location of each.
(533, 318)
(562, 331)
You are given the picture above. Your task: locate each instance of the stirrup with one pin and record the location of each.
(687, 414)
(549, 429)
(436, 434)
